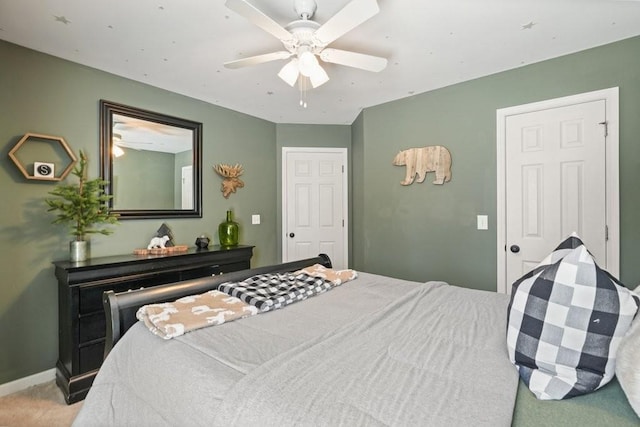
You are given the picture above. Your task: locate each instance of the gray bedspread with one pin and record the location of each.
(375, 351)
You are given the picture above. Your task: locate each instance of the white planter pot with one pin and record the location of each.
(78, 250)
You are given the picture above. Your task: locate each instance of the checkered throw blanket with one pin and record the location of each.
(276, 290)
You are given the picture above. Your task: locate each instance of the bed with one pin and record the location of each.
(373, 351)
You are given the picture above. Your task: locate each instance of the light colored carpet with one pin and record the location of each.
(40, 405)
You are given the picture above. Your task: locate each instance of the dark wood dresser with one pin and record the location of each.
(81, 319)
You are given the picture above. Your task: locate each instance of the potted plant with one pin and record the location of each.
(83, 206)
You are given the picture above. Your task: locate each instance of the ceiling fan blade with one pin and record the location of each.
(353, 59)
(259, 59)
(352, 15)
(256, 17)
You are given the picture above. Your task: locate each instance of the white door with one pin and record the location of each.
(187, 187)
(555, 183)
(314, 217)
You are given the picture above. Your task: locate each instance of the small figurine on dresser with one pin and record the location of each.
(164, 232)
(161, 243)
(202, 242)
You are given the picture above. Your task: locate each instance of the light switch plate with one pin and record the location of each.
(483, 222)
(255, 219)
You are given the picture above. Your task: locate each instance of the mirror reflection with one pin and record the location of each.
(151, 162)
(140, 146)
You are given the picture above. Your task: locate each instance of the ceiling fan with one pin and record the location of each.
(304, 40)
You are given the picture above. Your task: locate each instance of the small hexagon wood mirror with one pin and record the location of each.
(40, 157)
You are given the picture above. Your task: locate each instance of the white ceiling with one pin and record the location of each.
(181, 46)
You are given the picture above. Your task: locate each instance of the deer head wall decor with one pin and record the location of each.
(230, 174)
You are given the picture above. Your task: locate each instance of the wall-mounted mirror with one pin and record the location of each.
(153, 163)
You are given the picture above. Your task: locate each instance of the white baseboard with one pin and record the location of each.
(26, 382)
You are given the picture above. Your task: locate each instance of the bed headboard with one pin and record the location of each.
(120, 308)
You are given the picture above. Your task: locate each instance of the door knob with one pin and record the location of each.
(515, 249)
(292, 235)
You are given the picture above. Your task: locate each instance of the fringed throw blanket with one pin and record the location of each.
(336, 277)
(237, 300)
(276, 290)
(172, 319)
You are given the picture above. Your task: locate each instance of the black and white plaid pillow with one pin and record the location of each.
(565, 321)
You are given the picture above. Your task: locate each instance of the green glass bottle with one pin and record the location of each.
(228, 231)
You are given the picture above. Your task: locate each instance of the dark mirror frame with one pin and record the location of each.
(107, 110)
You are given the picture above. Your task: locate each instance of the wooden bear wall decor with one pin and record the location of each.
(434, 158)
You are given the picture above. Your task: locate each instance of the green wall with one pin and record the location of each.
(357, 208)
(43, 94)
(428, 232)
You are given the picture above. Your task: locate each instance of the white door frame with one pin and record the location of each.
(345, 194)
(610, 96)
(188, 186)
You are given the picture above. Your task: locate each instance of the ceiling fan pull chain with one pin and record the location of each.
(302, 85)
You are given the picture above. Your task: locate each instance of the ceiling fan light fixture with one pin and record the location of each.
(289, 73)
(307, 63)
(318, 77)
(117, 151)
